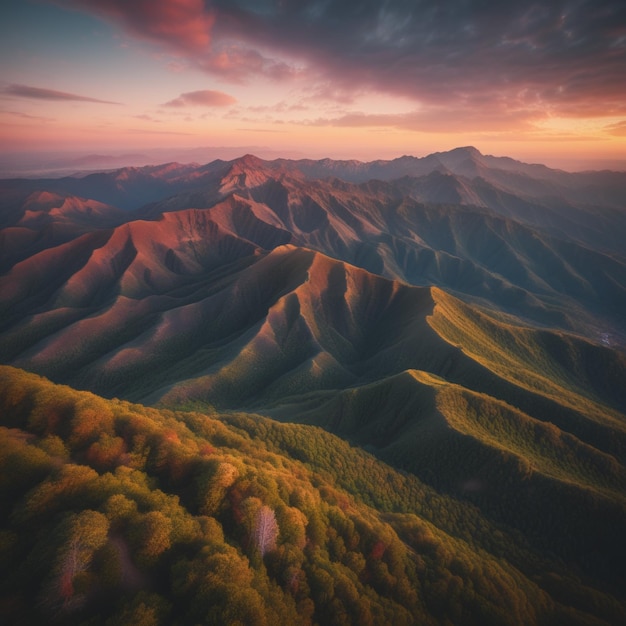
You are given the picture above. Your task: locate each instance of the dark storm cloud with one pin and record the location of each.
(561, 53)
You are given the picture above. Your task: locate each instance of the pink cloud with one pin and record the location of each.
(205, 98)
(439, 119)
(183, 24)
(237, 63)
(177, 66)
(145, 131)
(146, 117)
(188, 27)
(329, 92)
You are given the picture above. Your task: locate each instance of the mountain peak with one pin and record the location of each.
(246, 171)
(248, 160)
(462, 151)
(469, 149)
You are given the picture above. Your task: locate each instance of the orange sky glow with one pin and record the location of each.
(356, 79)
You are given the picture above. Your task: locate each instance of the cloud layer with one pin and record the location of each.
(521, 60)
(567, 55)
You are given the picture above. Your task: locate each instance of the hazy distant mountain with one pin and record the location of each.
(461, 316)
(60, 163)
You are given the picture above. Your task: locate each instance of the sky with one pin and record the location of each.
(538, 81)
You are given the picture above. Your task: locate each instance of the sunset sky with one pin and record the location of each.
(538, 81)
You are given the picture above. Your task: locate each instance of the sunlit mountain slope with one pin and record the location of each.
(460, 317)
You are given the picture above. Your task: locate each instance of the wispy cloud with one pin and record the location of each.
(39, 93)
(618, 129)
(203, 98)
(26, 116)
(262, 130)
(146, 131)
(455, 117)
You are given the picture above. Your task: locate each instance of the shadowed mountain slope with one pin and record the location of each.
(461, 317)
(553, 279)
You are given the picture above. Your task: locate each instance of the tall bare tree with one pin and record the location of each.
(265, 530)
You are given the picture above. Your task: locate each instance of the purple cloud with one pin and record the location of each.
(205, 98)
(26, 116)
(39, 93)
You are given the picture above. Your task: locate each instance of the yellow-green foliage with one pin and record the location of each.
(113, 513)
(555, 366)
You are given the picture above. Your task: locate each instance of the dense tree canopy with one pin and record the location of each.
(113, 513)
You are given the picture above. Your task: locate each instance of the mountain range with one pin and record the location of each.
(459, 317)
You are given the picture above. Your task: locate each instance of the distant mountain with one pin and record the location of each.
(56, 164)
(461, 316)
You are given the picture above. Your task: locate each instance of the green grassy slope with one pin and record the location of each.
(528, 425)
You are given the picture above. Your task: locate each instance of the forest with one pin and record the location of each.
(116, 513)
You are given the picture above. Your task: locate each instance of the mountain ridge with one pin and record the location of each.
(461, 317)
